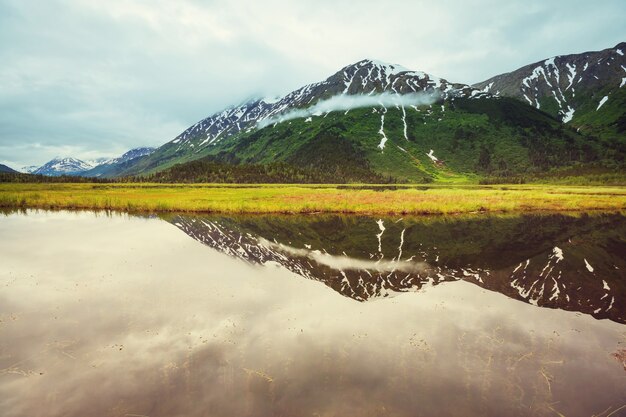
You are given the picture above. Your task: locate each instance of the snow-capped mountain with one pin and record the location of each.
(96, 161)
(28, 169)
(369, 78)
(63, 166)
(366, 77)
(130, 155)
(567, 86)
(110, 167)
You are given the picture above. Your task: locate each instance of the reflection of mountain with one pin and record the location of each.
(557, 261)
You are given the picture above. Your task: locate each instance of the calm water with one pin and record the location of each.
(115, 315)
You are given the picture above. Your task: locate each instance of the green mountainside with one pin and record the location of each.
(584, 90)
(469, 139)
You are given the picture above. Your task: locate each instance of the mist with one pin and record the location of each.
(344, 102)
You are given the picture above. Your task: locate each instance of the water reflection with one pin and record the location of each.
(560, 261)
(126, 316)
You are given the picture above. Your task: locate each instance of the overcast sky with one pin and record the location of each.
(95, 78)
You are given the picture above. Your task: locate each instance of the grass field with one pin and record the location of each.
(372, 199)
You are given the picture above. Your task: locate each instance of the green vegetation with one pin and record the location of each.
(473, 139)
(378, 199)
(208, 171)
(36, 178)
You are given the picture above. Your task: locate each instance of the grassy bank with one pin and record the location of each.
(311, 198)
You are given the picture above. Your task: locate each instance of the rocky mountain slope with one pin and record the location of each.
(586, 90)
(111, 167)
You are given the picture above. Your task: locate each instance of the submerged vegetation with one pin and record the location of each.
(300, 198)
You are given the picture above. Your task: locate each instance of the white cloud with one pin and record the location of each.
(345, 102)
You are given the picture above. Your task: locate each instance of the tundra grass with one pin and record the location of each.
(364, 199)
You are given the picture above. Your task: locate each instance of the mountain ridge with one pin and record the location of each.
(584, 89)
(92, 168)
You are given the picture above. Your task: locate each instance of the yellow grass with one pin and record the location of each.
(227, 198)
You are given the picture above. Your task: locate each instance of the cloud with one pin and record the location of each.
(343, 102)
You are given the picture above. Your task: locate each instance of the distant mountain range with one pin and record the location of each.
(4, 168)
(111, 167)
(93, 168)
(63, 166)
(28, 169)
(372, 120)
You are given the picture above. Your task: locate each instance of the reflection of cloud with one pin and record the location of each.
(346, 263)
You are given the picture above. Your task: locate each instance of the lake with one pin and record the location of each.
(107, 314)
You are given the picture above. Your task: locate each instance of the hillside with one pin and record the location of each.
(584, 90)
(365, 78)
(450, 141)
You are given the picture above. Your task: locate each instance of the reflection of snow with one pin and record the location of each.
(381, 226)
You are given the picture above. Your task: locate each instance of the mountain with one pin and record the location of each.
(367, 77)
(63, 166)
(4, 168)
(572, 263)
(372, 120)
(584, 90)
(29, 169)
(96, 161)
(110, 167)
(99, 167)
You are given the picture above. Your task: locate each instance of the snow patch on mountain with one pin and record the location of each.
(568, 115)
(383, 140)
